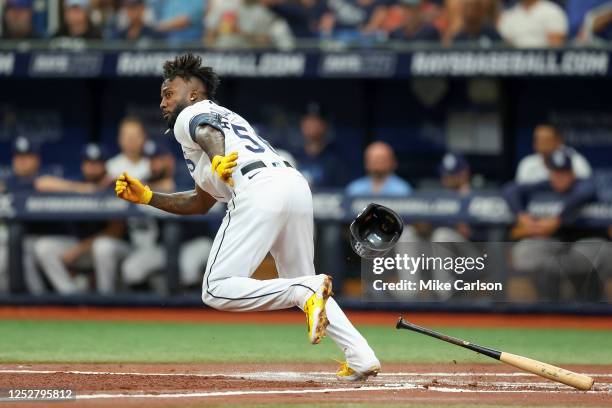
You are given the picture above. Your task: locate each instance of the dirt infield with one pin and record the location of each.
(190, 315)
(176, 385)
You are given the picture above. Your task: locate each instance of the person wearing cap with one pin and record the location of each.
(562, 182)
(77, 21)
(93, 170)
(380, 180)
(25, 167)
(163, 166)
(17, 23)
(131, 159)
(413, 26)
(137, 28)
(544, 240)
(455, 176)
(318, 159)
(60, 256)
(547, 139)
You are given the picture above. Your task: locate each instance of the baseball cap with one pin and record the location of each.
(93, 152)
(22, 145)
(18, 3)
(452, 163)
(77, 3)
(315, 109)
(560, 159)
(154, 149)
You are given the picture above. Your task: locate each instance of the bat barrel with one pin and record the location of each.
(579, 381)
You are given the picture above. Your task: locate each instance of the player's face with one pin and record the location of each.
(93, 170)
(25, 165)
(379, 161)
(132, 138)
(174, 98)
(562, 180)
(545, 140)
(455, 181)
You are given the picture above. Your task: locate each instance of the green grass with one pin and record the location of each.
(131, 342)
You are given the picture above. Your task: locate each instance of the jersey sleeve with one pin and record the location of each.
(190, 118)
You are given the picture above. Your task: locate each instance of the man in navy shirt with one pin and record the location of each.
(475, 27)
(60, 255)
(25, 168)
(546, 245)
(319, 159)
(413, 26)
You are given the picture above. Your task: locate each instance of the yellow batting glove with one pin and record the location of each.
(224, 167)
(132, 190)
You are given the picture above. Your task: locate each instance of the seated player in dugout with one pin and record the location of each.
(551, 247)
(61, 255)
(269, 210)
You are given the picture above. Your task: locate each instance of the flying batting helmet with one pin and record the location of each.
(375, 231)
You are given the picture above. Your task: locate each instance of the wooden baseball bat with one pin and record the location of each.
(579, 381)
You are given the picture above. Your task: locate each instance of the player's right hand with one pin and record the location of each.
(132, 190)
(224, 167)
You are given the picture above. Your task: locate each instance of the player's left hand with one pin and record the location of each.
(131, 189)
(224, 167)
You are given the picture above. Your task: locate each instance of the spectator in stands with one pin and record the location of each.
(77, 21)
(537, 253)
(60, 255)
(547, 139)
(240, 23)
(132, 138)
(354, 20)
(25, 168)
(381, 180)
(475, 25)
(577, 10)
(179, 20)
(137, 28)
(319, 160)
(162, 164)
(307, 18)
(533, 24)
(414, 26)
(590, 20)
(17, 20)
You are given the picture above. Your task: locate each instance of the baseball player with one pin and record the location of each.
(269, 209)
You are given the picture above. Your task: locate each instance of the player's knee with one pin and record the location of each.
(102, 247)
(42, 248)
(212, 301)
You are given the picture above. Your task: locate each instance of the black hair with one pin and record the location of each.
(187, 66)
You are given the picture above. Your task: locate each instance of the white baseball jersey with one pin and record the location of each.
(239, 137)
(269, 211)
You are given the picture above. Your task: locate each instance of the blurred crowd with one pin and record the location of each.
(281, 23)
(129, 255)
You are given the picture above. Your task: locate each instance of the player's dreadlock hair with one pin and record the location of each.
(188, 66)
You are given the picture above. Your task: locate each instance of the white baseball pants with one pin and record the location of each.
(274, 213)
